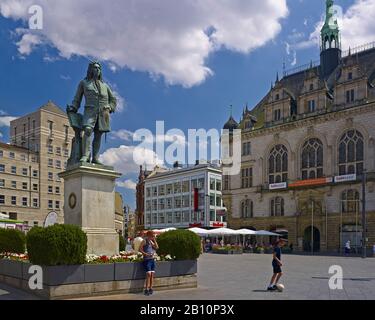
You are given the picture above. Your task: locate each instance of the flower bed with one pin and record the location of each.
(228, 249)
(122, 257)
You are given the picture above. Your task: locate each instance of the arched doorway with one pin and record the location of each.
(307, 239)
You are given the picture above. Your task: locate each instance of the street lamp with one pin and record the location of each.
(364, 214)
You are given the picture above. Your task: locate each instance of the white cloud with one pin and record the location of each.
(28, 42)
(122, 134)
(357, 26)
(123, 160)
(120, 100)
(168, 38)
(127, 184)
(5, 120)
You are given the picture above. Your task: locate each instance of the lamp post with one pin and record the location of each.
(312, 226)
(364, 214)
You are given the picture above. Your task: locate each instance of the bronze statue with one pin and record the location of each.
(99, 103)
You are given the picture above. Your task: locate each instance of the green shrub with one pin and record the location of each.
(59, 244)
(12, 241)
(181, 244)
(121, 243)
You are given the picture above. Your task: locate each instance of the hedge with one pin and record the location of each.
(121, 243)
(181, 244)
(12, 241)
(59, 244)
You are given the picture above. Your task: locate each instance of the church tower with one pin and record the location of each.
(330, 54)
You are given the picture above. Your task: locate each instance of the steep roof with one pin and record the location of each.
(231, 124)
(52, 107)
(293, 83)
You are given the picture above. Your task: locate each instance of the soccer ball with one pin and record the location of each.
(280, 287)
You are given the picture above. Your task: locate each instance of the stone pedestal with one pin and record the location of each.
(89, 202)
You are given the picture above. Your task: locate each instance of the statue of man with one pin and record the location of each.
(99, 103)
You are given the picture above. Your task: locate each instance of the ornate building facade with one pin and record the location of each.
(304, 150)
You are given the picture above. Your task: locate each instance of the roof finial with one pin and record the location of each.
(311, 64)
(271, 85)
(231, 111)
(277, 76)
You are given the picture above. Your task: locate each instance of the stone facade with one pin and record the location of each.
(313, 135)
(19, 182)
(44, 137)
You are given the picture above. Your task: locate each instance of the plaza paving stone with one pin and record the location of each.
(245, 277)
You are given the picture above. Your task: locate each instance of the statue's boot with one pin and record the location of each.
(85, 149)
(96, 149)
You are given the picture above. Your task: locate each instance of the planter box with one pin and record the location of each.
(88, 273)
(236, 252)
(99, 272)
(228, 252)
(60, 275)
(11, 268)
(101, 279)
(128, 271)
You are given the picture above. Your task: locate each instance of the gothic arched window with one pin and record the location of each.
(351, 153)
(312, 159)
(247, 209)
(277, 207)
(350, 201)
(278, 164)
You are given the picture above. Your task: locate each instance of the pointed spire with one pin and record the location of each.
(311, 64)
(350, 51)
(277, 76)
(231, 111)
(247, 107)
(271, 85)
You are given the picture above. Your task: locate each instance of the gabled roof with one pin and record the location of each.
(52, 107)
(294, 82)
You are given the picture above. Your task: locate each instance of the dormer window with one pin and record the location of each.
(311, 87)
(277, 115)
(350, 75)
(311, 106)
(277, 96)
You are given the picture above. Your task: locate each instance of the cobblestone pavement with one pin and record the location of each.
(244, 277)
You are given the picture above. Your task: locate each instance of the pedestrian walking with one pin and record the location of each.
(347, 248)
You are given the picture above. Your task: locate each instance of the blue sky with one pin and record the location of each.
(241, 66)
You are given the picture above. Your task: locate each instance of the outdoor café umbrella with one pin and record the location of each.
(167, 229)
(266, 233)
(222, 232)
(244, 233)
(199, 231)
